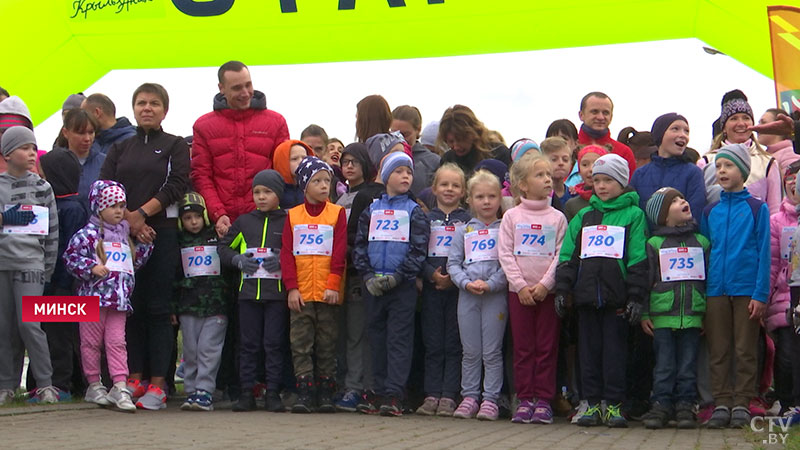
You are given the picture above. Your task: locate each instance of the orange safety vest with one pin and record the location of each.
(314, 271)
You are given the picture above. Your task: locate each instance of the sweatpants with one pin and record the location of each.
(357, 355)
(63, 340)
(603, 352)
(391, 334)
(482, 325)
(262, 326)
(203, 338)
(535, 331)
(728, 321)
(16, 335)
(108, 332)
(312, 336)
(149, 332)
(442, 341)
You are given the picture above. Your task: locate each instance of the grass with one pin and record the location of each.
(757, 439)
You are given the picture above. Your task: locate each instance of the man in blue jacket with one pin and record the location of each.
(110, 129)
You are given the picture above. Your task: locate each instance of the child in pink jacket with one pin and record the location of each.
(782, 227)
(529, 243)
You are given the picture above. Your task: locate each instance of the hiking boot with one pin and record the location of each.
(97, 393)
(429, 406)
(740, 417)
(467, 409)
(720, 418)
(684, 416)
(326, 387)
(120, 398)
(273, 402)
(305, 395)
(657, 417)
(592, 417)
(447, 406)
(614, 418)
(246, 402)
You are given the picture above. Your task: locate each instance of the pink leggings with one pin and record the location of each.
(111, 329)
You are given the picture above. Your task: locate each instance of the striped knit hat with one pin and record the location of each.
(739, 155)
(392, 161)
(520, 147)
(657, 207)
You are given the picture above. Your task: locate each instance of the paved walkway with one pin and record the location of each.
(80, 426)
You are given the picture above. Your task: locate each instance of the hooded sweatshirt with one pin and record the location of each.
(292, 195)
(104, 139)
(780, 269)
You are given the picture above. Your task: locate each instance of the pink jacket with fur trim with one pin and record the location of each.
(780, 270)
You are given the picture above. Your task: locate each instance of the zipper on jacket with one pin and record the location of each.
(724, 249)
(263, 241)
(683, 296)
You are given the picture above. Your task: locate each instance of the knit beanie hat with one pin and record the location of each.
(359, 151)
(16, 137)
(309, 167)
(657, 207)
(496, 167)
(521, 146)
(661, 125)
(734, 102)
(430, 133)
(105, 193)
(739, 154)
(192, 201)
(74, 101)
(14, 112)
(392, 161)
(62, 170)
(270, 179)
(613, 166)
(280, 158)
(591, 149)
(380, 144)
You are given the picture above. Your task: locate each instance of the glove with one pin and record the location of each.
(561, 306)
(388, 282)
(13, 216)
(246, 263)
(633, 312)
(375, 286)
(271, 264)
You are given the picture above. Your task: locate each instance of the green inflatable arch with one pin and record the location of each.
(57, 47)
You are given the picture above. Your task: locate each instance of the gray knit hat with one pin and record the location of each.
(16, 137)
(271, 179)
(739, 155)
(614, 166)
(657, 208)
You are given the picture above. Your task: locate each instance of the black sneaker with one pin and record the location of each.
(592, 417)
(720, 418)
(246, 402)
(326, 387)
(657, 417)
(273, 402)
(684, 416)
(367, 403)
(305, 395)
(614, 418)
(740, 417)
(392, 407)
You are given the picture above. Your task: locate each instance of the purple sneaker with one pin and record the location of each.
(543, 413)
(524, 412)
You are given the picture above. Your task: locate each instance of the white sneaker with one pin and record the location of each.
(121, 399)
(6, 396)
(47, 394)
(97, 393)
(583, 406)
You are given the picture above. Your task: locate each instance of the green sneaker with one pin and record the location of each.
(591, 418)
(614, 418)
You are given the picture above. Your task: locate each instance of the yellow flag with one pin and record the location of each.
(784, 32)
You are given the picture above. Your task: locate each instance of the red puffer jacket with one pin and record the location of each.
(231, 146)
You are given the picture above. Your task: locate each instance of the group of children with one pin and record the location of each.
(611, 260)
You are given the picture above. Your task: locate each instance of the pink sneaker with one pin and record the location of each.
(704, 414)
(467, 409)
(489, 411)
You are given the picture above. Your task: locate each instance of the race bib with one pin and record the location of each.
(682, 263)
(441, 240)
(39, 226)
(259, 253)
(534, 240)
(200, 261)
(389, 225)
(312, 240)
(480, 245)
(603, 241)
(787, 236)
(118, 257)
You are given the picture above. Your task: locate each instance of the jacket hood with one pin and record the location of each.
(629, 197)
(280, 158)
(15, 105)
(789, 208)
(63, 171)
(121, 128)
(689, 228)
(360, 153)
(782, 145)
(259, 101)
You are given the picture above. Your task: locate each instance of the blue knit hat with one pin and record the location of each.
(521, 146)
(392, 161)
(309, 167)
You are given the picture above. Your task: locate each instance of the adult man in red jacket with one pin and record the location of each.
(233, 143)
(596, 112)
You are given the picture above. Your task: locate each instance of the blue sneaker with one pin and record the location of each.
(188, 404)
(349, 401)
(203, 401)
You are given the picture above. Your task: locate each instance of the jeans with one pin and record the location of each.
(675, 372)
